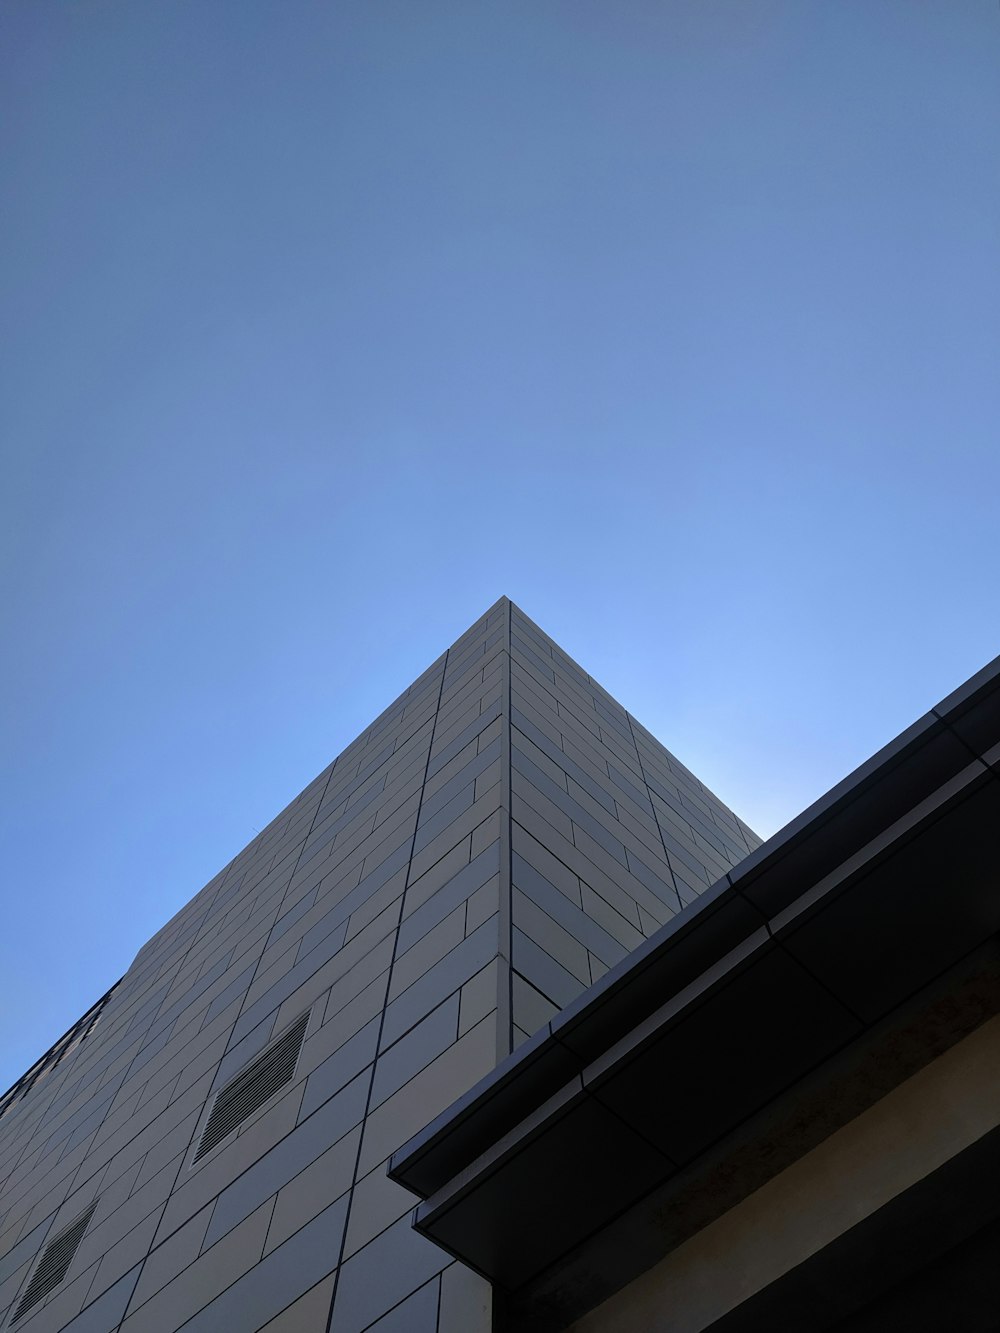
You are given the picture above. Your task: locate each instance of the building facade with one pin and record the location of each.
(782, 1110)
(207, 1148)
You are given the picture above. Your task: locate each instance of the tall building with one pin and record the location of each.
(782, 1111)
(207, 1149)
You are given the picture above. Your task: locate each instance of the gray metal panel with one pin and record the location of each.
(379, 901)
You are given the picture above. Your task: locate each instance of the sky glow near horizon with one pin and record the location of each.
(325, 325)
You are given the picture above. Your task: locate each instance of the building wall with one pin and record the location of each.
(610, 835)
(496, 840)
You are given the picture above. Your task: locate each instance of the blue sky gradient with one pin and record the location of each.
(326, 324)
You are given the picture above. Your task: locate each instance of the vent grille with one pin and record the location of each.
(54, 1263)
(251, 1088)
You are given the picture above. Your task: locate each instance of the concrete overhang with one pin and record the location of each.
(846, 952)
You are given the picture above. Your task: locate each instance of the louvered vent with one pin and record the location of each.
(251, 1088)
(54, 1263)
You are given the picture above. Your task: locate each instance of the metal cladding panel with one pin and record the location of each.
(495, 841)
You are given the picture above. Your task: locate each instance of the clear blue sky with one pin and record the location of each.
(325, 324)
